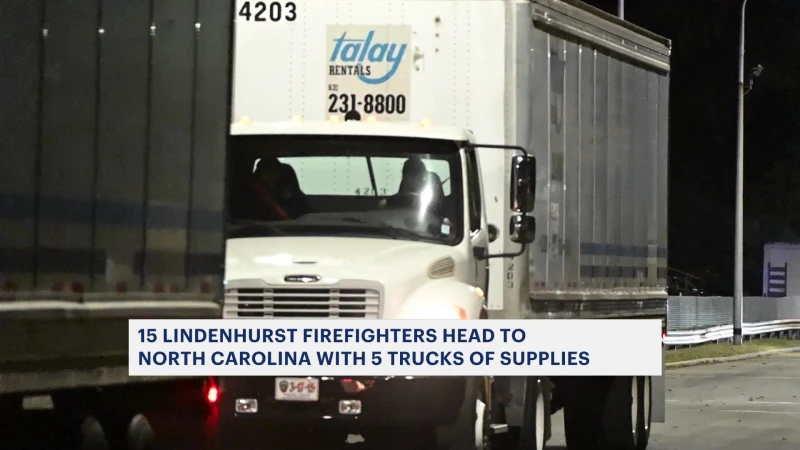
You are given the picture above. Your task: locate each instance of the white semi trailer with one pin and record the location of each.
(464, 159)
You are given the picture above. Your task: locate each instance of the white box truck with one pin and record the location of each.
(464, 159)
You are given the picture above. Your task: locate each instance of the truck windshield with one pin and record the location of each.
(392, 188)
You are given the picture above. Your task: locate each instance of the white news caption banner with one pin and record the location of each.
(394, 347)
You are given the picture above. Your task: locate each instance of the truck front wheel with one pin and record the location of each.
(534, 433)
(472, 429)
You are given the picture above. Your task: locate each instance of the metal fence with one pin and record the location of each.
(695, 320)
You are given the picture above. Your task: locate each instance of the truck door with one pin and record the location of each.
(479, 237)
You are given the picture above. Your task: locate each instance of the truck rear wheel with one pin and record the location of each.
(140, 435)
(89, 435)
(583, 414)
(626, 421)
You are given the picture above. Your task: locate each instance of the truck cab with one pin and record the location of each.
(347, 219)
(363, 220)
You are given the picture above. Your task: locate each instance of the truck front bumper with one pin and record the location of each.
(382, 402)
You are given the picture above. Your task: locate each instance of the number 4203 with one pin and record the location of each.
(268, 11)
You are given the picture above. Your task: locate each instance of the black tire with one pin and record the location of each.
(583, 411)
(89, 435)
(535, 430)
(462, 435)
(627, 414)
(140, 435)
(646, 394)
(581, 428)
(11, 422)
(508, 440)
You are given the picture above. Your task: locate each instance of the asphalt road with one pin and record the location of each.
(743, 405)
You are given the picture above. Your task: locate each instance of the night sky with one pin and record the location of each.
(702, 172)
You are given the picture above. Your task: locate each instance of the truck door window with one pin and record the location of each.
(474, 194)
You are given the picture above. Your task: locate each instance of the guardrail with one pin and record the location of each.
(698, 320)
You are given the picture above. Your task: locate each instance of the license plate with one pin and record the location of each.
(297, 389)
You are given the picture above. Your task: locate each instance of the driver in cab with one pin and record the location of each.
(277, 194)
(421, 192)
(419, 188)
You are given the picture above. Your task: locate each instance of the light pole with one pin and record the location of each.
(738, 301)
(621, 9)
(738, 275)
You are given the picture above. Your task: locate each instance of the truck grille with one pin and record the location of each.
(281, 303)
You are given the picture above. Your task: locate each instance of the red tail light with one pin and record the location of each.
(211, 391)
(212, 395)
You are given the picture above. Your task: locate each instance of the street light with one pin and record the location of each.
(738, 271)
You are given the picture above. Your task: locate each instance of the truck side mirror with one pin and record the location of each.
(523, 182)
(522, 229)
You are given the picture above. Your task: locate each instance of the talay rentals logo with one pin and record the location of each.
(359, 57)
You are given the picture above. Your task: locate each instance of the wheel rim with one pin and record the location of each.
(540, 421)
(647, 394)
(634, 405)
(481, 437)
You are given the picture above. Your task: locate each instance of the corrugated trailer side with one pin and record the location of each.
(113, 127)
(112, 133)
(598, 112)
(113, 124)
